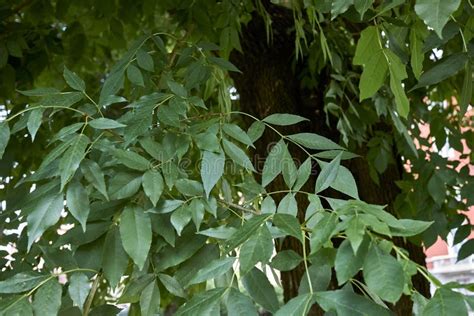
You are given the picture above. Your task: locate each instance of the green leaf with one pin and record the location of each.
(247, 230)
(135, 76)
(112, 99)
(34, 121)
(160, 225)
(419, 303)
(39, 92)
(202, 303)
(289, 224)
(273, 163)
(445, 302)
(362, 6)
(344, 181)
(283, 119)
(79, 288)
(212, 169)
(73, 80)
(297, 306)
(466, 249)
(77, 200)
(135, 287)
(416, 51)
(373, 75)
(196, 207)
(339, 7)
(17, 307)
(366, 45)
(319, 275)
(383, 274)
(219, 232)
(328, 174)
(21, 282)
(355, 231)
(150, 300)
(153, 185)
(153, 148)
(261, 290)
(124, 185)
(172, 285)
(223, 64)
(437, 188)
(313, 208)
(410, 227)
(323, 230)
(94, 175)
(144, 60)
(207, 141)
(47, 299)
(105, 123)
(66, 131)
(346, 303)
(72, 158)
(180, 218)
(4, 137)
(113, 83)
(189, 187)
(286, 260)
(45, 214)
(135, 230)
(239, 304)
(397, 74)
(369, 54)
(166, 206)
(237, 155)
(63, 99)
(288, 205)
(289, 169)
(114, 257)
(314, 141)
(443, 69)
(376, 211)
(268, 205)
(258, 248)
(237, 133)
(256, 130)
(213, 270)
(177, 89)
(435, 13)
(77, 237)
(132, 160)
(303, 174)
(348, 263)
(115, 79)
(198, 260)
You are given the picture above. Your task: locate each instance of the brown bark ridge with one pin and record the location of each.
(268, 84)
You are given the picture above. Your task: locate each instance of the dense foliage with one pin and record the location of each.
(128, 176)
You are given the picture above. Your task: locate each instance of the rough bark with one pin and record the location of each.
(268, 84)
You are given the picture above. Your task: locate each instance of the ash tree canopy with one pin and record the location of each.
(211, 157)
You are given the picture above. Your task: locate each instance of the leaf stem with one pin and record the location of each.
(90, 298)
(45, 107)
(239, 207)
(305, 260)
(93, 102)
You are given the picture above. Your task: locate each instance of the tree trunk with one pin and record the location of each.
(267, 85)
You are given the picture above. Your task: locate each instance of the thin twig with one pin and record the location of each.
(239, 207)
(90, 298)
